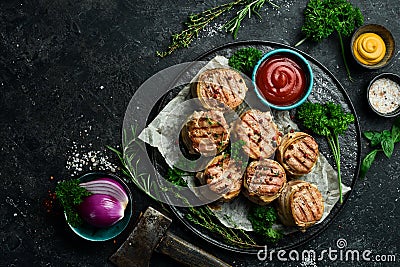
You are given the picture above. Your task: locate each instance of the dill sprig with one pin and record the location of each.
(197, 22)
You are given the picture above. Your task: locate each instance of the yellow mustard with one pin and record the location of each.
(369, 48)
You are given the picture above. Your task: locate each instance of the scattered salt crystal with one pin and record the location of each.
(83, 158)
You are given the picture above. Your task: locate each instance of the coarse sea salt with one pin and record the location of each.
(82, 159)
(384, 95)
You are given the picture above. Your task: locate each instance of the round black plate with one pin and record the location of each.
(326, 88)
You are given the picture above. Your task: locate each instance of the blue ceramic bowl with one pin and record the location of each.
(92, 233)
(305, 65)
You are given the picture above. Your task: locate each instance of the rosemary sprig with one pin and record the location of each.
(197, 22)
(202, 216)
(253, 7)
(130, 163)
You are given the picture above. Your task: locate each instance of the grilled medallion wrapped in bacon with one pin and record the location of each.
(298, 153)
(220, 88)
(264, 181)
(300, 204)
(259, 132)
(223, 176)
(206, 133)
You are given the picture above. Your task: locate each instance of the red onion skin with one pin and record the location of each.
(122, 196)
(101, 210)
(112, 181)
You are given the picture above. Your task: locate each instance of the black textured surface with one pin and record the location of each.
(67, 72)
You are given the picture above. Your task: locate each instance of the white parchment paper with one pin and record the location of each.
(234, 214)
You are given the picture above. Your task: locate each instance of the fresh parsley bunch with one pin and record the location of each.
(328, 120)
(385, 140)
(324, 17)
(245, 59)
(262, 218)
(70, 195)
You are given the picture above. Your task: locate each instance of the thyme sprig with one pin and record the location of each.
(204, 217)
(197, 22)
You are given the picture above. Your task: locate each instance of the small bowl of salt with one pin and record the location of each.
(384, 94)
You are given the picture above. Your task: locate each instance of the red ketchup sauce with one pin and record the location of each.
(281, 80)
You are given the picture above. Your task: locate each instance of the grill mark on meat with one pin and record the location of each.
(297, 165)
(298, 153)
(306, 206)
(301, 204)
(307, 149)
(257, 121)
(265, 180)
(210, 90)
(312, 203)
(299, 213)
(223, 177)
(310, 143)
(221, 84)
(223, 90)
(316, 198)
(252, 145)
(309, 200)
(305, 155)
(306, 161)
(232, 87)
(219, 185)
(206, 131)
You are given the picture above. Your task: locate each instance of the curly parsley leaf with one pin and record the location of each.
(245, 59)
(70, 195)
(323, 17)
(262, 218)
(328, 120)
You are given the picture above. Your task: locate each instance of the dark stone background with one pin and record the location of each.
(69, 66)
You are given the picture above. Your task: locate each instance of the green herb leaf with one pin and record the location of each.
(367, 162)
(374, 137)
(262, 218)
(175, 176)
(197, 22)
(387, 143)
(70, 195)
(396, 130)
(323, 17)
(237, 153)
(245, 59)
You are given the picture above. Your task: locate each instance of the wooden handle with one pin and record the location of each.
(186, 253)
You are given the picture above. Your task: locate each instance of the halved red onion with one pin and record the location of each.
(101, 210)
(107, 186)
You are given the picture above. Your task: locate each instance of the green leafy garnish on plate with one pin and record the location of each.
(245, 59)
(328, 120)
(262, 218)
